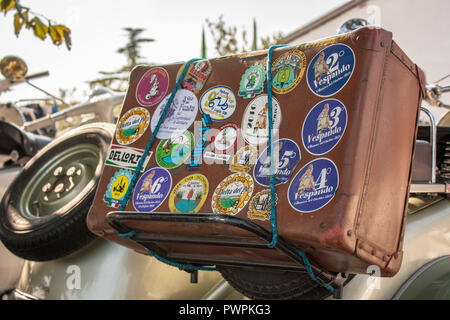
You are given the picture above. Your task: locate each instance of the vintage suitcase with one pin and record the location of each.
(344, 118)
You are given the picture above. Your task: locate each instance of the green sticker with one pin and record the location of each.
(173, 152)
(252, 81)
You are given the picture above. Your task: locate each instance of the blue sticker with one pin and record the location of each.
(286, 154)
(330, 70)
(314, 186)
(151, 189)
(324, 126)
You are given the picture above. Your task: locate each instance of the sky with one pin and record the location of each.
(176, 26)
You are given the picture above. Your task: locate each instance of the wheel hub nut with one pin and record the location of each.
(47, 188)
(58, 172)
(59, 188)
(71, 171)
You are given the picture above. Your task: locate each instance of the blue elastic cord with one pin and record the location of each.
(153, 137)
(311, 273)
(273, 213)
(141, 163)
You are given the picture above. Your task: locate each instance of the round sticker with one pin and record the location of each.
(173, 152)
(314, 186)
(152, 87)
(196, 75)
(132, 125)
(244, 158)
(232, 194)
(288, 70)
(330, 70)
(218, 102)
(252, 82)
(179, 117)
(225, 139)
(151, 189)
(260, 206)
(286, 156)
(117, 188)
(324, 126)
(189, 195)
(255, 122)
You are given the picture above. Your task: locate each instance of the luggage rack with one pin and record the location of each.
(116, 219)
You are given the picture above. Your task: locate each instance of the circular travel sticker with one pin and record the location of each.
(152, 87)
(288, 70)
(225, 139)
(252, 81)
(331, 69)
(189, 195)
(244, 158)
(179, 117)
(255, 122)
(232, 194)
(324, 126)
(132, 125)
(196, 75)
(260, 206)
(218, 102)
(314, 186)
(173, 152)
(151, 189)
(117, 188)
(286, 156)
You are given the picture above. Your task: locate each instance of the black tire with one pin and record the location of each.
(52, 235)
(267, 284)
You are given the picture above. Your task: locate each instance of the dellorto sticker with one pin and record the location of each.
(255, 122)
(286, 156)
(314, 186)
(189, 195)
(196, 75)
(132, 125)
(179, 117)
(151, 189)
(218, 102)
(222, 142)
(173, 152)
(117, 188)
(126, 157)
(232, 194)
(330, 69)
(324, 126)
(288, 70)
(244, 158)
(252, 82)
(152, 87)
(260, 206)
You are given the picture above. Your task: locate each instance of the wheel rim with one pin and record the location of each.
(61, 180)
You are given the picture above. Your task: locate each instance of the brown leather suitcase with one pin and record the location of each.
(346, 109)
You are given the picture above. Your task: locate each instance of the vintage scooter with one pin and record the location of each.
(29, 157)
(92, 273)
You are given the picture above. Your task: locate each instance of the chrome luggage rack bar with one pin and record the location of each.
(432, 187)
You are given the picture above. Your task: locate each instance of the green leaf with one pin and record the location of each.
(39, 28)
(19, 20)
(57, 33)
(6, 5)
(67, 39)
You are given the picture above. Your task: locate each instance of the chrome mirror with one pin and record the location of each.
(352, 24)
(13, 68)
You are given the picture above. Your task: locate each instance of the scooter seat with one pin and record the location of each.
(12, 137)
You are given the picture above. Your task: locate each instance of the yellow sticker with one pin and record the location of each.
(189, 195)
(287, 71)
(232, 194)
